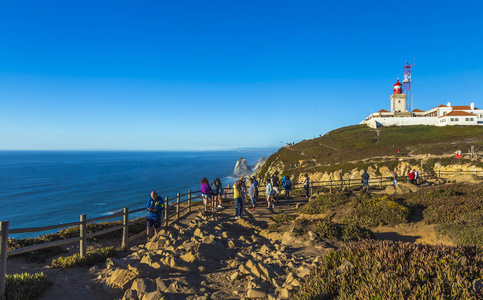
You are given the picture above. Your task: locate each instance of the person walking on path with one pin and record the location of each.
(252, 193)
(220, 192)
(205, 192)
(394, 178)
(416, 176)
(411, 176)
(214, 194)
(288, 187)
(269, 192)
(306, 184)
(275, 185)
(154, 207)
(365, 180)
(255, 181)
(237, 195)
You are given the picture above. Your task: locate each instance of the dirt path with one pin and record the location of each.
(415, 231)
(80, 283)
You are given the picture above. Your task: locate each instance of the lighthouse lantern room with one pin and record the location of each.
(398, 100)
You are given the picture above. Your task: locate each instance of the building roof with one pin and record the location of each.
(382, 110)
(461, 107)
(458, 113)
(418, 110)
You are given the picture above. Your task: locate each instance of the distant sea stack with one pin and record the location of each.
(243, 169)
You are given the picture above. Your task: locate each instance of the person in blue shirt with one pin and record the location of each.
(154, 206)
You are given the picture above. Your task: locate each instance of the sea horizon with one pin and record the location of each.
(41, 188)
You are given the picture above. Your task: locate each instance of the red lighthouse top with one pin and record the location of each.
(398, 88)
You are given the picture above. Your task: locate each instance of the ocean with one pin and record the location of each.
(41, 188)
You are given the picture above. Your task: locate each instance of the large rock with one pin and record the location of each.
(390, 190)
(242, 168)
(414, 188)
(465, 178)
(122, 278)
(402, 189)
(144, 285)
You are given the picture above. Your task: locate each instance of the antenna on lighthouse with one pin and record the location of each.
(407, 86)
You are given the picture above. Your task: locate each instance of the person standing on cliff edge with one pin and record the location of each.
(154, 206)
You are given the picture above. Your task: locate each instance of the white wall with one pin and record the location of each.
(404, 121)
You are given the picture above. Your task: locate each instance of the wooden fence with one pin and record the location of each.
(172, 213)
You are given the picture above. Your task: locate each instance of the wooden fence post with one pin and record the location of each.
(331, 186)
(3, 255)
(189, 201)
(380, 183)
(178, 203)
(83, 236)
(166, 206)
(349, 183)
(125, 228)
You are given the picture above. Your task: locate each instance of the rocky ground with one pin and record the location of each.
(210, 255)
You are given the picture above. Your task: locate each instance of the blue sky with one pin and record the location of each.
(196, 75)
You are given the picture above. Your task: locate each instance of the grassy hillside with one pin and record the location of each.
(349, 146)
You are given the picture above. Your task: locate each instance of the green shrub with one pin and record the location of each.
(300, 226)
(92, 257)
(25, 286)
(378, 211)
(393, 270)
(322, 203)
(341, 232)
(273, 228)
(283, 218)
(327, 229)
(353, 232)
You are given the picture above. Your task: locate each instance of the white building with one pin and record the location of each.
(441, 115)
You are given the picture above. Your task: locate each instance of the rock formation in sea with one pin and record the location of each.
(242, 168)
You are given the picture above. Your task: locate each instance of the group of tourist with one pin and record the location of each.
(211, 194)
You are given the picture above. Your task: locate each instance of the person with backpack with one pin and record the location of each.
(288, 187)
(214, 194)
(154, 207)
(394, 178)
(220, 192)
(251, 193)
(255, 181)
(269, 192)
(205, 192)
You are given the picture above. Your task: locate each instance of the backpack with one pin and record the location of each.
(288, 185)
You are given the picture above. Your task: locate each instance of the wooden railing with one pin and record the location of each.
(172, 209)
(172, 212)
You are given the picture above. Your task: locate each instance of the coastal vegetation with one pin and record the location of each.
(456, 209)
(25, 286)
(358, 147)
(393, 270)
(94, 256)
(41, 255)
